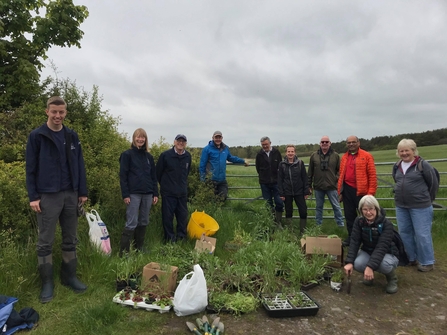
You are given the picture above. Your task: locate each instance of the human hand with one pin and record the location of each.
(283, 198)
(368, 274)
(154, 200)
(246, 163)
(35, 206)
(82, 200)
(340, 198)
(348, 269)
(127, 201)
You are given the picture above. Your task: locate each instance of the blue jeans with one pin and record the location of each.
(415, 229)
(137, 212)
(270, 191)
(333, 198)
(388, 264)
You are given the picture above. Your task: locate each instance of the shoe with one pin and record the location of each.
(368, 282)
(413, 263)
(425, 268)
(345, 243)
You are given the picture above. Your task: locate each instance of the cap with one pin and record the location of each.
(217, 133)
(179, 136)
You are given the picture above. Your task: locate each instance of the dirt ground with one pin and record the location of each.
(418, 308)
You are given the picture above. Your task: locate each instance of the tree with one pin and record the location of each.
(25, 37)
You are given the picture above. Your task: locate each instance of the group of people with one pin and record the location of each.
(352, 180)
(57, 188)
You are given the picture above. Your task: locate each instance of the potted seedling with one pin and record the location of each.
(337, 280)
(291, 304)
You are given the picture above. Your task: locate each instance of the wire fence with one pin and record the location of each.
(383, 195)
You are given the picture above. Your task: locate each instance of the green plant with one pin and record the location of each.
(237, 303)
(337, 276)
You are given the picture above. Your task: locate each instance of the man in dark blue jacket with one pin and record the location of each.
(173, 167)
(56, 183)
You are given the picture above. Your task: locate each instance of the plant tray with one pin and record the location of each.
(139, 305)
(282, 306)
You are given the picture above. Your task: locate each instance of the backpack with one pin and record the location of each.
(11, 320)
(403, 257)
(420, 169)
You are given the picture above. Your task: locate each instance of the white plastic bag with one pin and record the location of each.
(99, 235)
(191, 295)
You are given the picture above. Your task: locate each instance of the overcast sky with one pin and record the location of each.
(291, 70)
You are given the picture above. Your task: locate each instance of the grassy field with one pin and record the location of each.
(94, 312)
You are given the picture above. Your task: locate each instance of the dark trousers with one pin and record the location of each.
(63, 207)
(270, 193)
(300, 203)
(221, 189)
(350, 205)
(170, 207)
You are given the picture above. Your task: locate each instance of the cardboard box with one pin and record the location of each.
(160, 277)
(206, 243)
(324, 245)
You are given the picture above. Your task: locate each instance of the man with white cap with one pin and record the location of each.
(172, 168)
(214, 161)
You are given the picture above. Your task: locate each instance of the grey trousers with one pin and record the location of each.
(62, 207)
(389, 262)
(137, 212)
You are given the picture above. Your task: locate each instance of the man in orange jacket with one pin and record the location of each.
(357, 178)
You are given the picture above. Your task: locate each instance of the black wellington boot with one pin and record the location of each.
(46, 275)
(126, 238)
(138, 237)
(68, 276)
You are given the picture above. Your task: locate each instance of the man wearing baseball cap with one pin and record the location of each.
(214, 162)
(173, 168)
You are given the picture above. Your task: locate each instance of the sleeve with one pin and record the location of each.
(383, 245)
(203, 162)
(160, 167)
(258, 162)
(153, 175)
(337, 166)
(280, 180)
(431, 179)
(341, 174)
(234, 159)
(304, 179)
(82, 187)
(372, 175)
(310, 171)
(32, 159)
(124, 173)
(354, 243)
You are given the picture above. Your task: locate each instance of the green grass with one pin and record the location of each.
(94, 312)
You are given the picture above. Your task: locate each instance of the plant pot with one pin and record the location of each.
(132, 282)
(283, 306)
(308, 286)
(336, 286)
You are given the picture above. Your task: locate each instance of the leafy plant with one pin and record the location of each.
(337, 276)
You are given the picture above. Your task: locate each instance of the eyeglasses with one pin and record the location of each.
(349, 143)
(366, 210)
(324, 142)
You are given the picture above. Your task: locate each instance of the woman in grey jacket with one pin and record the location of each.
(415, 189)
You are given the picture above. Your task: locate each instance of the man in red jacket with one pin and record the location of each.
(357, 178)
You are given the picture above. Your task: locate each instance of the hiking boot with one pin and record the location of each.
(368, 282)
(425, 268)
(391, 278)
(413, 263)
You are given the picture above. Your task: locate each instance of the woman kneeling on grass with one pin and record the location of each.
(374, 233)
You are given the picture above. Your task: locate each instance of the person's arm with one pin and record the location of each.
(430, 179)
(32, 161)
(372, 175)
(124, 173)
(305, 180)
(82, 187)
(258, 162)
(235, 159)
(310, 173)
(355, 242)
(280, 181)
(203, 162)
(153, 177)
(382, 246)
(160, 167)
